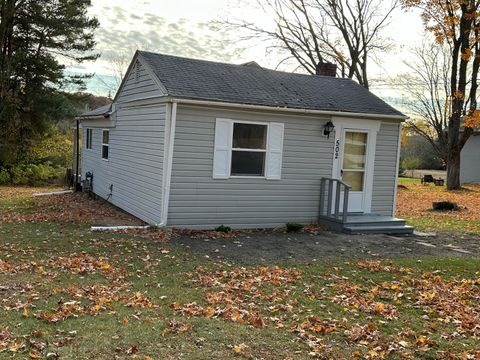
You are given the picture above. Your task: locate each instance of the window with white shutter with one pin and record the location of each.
(247, 149)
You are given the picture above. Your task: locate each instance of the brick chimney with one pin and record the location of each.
(326, 69)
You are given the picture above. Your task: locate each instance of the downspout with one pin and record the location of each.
(168, 178)
(77, 155)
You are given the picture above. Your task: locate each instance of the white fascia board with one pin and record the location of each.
(125, 77)
(99, 122)
(138, 57)
(150, 72)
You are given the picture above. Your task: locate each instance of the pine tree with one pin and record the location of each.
(36, 37)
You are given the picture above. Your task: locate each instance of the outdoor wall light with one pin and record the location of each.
(328, 128)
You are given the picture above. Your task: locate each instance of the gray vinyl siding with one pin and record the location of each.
(135, 164)
(198, 201)
(469, 161)
(142, 87)
(385, 169)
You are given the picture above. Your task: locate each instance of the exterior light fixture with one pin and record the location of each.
(328, 128)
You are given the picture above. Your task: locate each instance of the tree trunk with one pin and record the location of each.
(453, 171)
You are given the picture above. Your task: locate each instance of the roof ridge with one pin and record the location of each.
(207, 79)
(260, 68)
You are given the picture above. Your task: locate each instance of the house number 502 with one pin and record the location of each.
(337, 148)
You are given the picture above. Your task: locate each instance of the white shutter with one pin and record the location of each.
(274, 151)
(222, 157)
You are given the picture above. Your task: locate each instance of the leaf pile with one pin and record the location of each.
(240, 290)
(70, 208)
(82, 264)
(23, 192)
(416, 201)
(272, 296)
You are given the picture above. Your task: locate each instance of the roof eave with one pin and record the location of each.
(191, 101)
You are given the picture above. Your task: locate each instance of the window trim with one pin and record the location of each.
(87, 138)
(107, 145)
(265, 151)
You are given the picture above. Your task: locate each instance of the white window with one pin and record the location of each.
(88, 138)
(247, 149)
(105, 144)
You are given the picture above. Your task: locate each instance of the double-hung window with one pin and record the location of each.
(105, 144)
(88, 138)
(247, 149)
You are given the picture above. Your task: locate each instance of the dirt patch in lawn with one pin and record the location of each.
(267, 247)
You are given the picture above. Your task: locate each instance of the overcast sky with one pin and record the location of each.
(184, 28)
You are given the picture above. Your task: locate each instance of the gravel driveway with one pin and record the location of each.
(259, 247)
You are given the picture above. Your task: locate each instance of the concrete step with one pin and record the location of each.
(372, 221)
(378, 229)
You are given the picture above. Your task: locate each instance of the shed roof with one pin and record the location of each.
(254, 85)
(101, 111)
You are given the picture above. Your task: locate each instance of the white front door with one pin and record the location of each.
(354, 160)
(353, 167)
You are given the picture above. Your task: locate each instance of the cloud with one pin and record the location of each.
(122, 33)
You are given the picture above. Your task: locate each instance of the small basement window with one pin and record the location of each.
(105, 144)
(249, 149)
(88, 140)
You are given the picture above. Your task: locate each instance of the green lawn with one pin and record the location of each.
(405, 180)
(67, 292)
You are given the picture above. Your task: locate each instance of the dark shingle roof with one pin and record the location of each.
(207, 80)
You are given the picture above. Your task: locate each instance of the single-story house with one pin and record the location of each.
(197, 144)
(470, 161)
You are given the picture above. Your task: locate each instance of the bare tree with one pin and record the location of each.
(427, 86)
(116, 66)
(312, 32)
(456, 24)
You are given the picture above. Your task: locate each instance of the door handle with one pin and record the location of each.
(341, 172)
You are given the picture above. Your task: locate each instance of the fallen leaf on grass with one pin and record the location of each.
(176, 327)
(238, 349)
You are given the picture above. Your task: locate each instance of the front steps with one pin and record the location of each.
(368, 224)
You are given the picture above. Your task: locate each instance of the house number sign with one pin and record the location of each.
(337, 148)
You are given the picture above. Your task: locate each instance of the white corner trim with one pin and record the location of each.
(168, 170)
(166, 146)
(395, 190)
